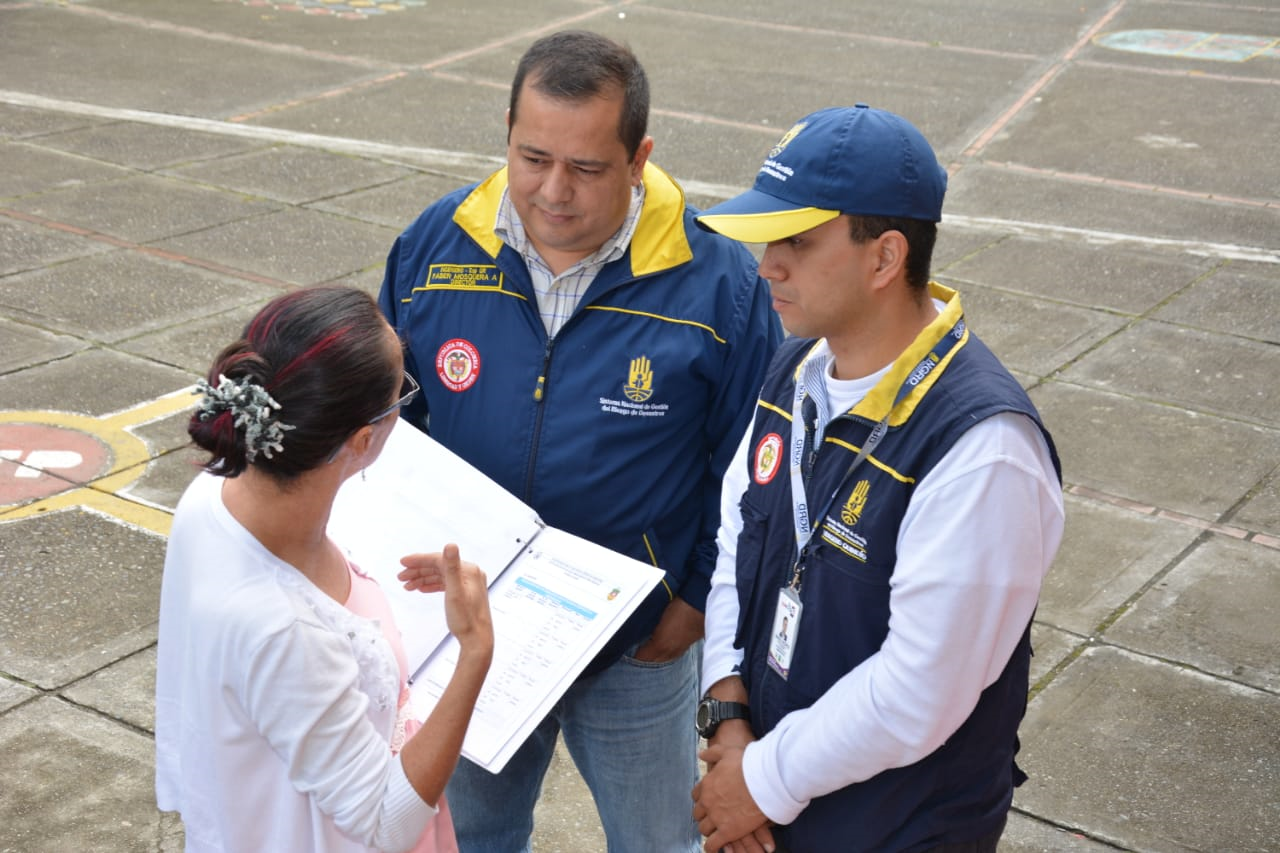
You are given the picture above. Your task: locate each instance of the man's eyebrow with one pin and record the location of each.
(573, 161)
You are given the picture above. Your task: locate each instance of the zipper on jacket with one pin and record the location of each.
(539, 395)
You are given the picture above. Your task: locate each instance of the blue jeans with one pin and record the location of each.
(630, 731)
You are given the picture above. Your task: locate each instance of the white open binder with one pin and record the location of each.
(556, 598)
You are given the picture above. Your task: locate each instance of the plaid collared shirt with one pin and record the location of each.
(559, 295)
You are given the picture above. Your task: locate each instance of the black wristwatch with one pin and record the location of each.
(713, 712)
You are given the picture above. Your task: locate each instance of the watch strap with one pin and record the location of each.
(732, 711)
(716, 712)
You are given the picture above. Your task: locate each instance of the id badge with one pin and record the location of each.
(786, 622)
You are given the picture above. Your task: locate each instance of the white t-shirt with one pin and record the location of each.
(993, 505)
(274, 703)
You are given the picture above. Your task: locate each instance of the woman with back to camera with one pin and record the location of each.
(281, 715)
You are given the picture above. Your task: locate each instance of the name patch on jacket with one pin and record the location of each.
(464, 276)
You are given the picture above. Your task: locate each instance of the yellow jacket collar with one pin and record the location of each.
(876, 404)
(878, 401)
(659, 243)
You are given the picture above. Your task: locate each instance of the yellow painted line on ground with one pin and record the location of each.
(152, 410)
(130, 456)
(140, 516)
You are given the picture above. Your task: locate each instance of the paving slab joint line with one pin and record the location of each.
(1062, 827)
(1056, 67)
(439, 161)
(995, 241)
(1056, 377)
(153, 251)
(531, 34)
(775, 26)
(319, 96)
(1094, 237)
(1190, 73)
(97, 712)
(1049, 677)
(1104, 181)
(357, 147)
(195, 32)
(1169, 298)
(1220, 526)
(1124, 607)
(39, 692)
(1182, 665)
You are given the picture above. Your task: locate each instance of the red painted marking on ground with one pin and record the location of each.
(39, 460)
(1253, 536)
(998, 125)
(212, 266)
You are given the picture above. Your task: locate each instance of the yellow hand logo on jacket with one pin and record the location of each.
(857, 500)
(639, 385)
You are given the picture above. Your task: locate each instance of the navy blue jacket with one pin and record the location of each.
(963, 790)
(620, 428)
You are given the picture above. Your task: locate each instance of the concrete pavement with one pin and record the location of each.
(1113, 227)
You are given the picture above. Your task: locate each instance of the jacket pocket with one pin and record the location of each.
(752, 576)
(845, 620)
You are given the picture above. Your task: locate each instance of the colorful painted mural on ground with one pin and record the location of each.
(1191, 44)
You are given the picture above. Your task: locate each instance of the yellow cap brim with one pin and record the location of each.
(767, 227)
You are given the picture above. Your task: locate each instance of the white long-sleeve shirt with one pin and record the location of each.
(977, 539)
(274, 703)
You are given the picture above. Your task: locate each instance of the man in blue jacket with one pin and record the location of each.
(581, 341)
(895, 504)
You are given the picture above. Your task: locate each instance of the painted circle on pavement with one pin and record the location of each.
(39, 460)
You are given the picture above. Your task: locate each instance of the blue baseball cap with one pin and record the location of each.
(855, 160)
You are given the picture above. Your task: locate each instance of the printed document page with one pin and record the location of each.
(556, 598)
(418, 497)
(553, 610)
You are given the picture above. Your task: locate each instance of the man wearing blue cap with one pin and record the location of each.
(896, 503)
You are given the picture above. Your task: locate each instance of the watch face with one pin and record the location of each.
(704, 716)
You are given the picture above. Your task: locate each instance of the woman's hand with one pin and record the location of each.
(429, 761)
(466, 594)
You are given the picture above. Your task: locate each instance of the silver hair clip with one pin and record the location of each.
(251, 407)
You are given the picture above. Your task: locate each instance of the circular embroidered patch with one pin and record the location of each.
(768, 454)
(458, 364)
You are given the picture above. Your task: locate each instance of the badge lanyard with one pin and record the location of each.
(801, 468)
(786, 617)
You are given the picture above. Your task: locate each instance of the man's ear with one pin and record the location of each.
(891, 256)
(642, 156)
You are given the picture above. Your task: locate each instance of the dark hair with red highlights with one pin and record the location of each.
(322, 354)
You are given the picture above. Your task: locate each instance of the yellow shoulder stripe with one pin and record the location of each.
(771, 407)
(901, 478)
(676, 320)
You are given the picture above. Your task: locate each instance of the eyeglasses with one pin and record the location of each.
(406, 397)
